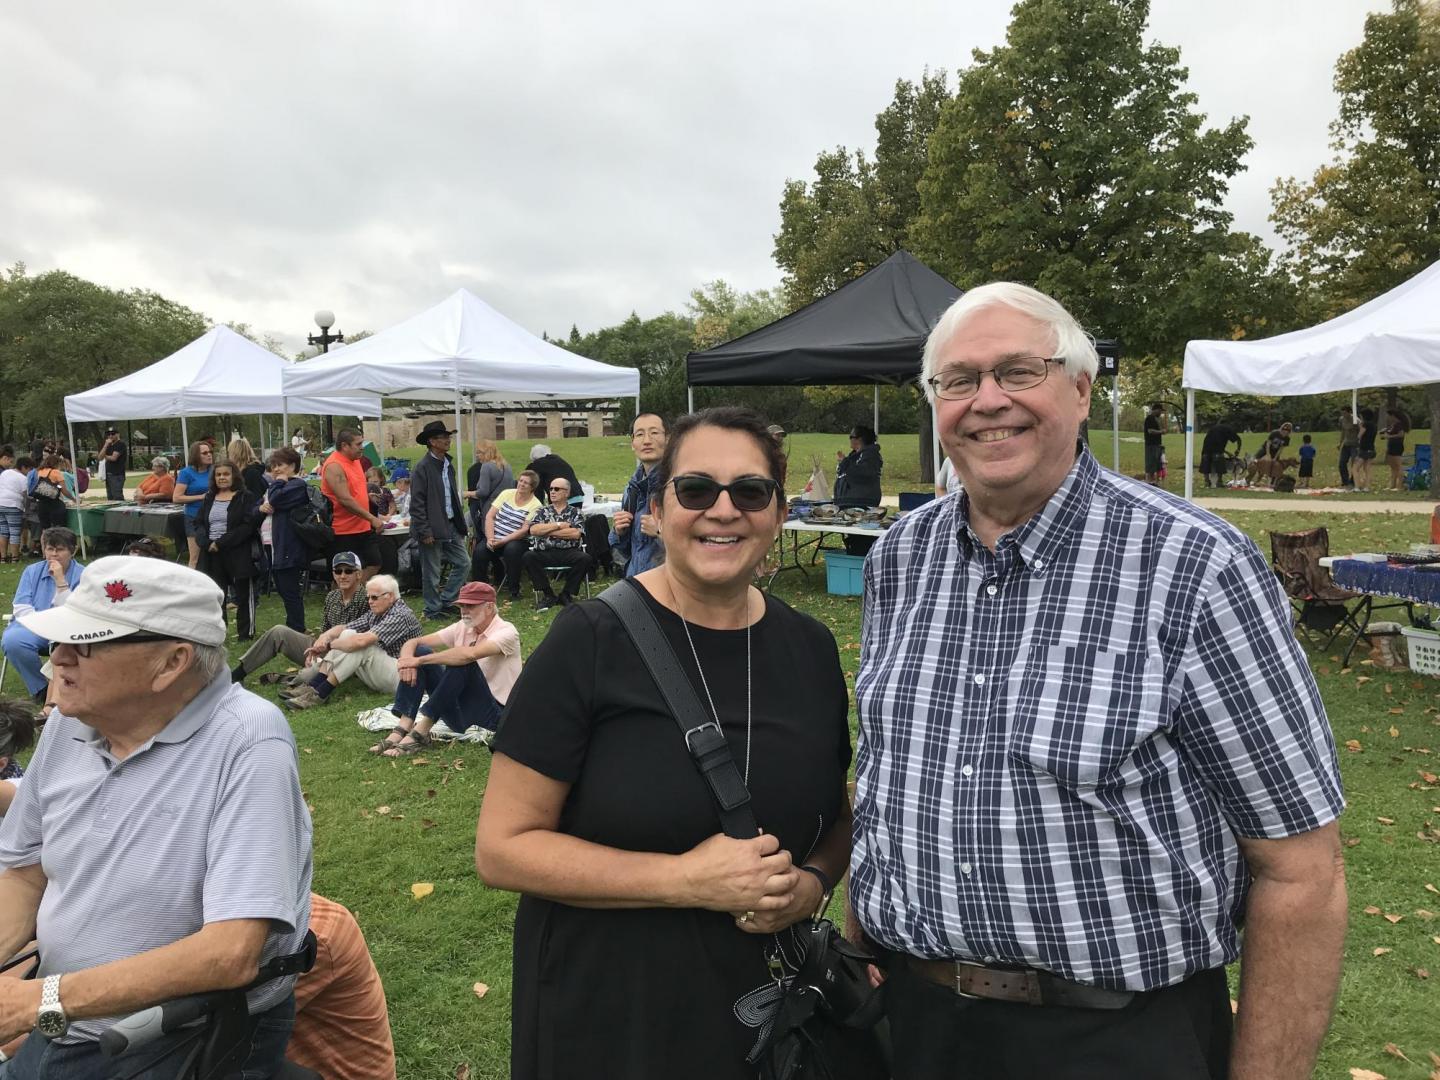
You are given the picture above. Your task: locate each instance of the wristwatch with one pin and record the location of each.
(52, 1021)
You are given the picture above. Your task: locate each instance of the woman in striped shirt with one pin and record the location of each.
(507, 533)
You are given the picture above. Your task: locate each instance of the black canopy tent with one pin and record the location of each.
(869, 331)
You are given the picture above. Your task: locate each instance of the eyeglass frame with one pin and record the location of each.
(934, 380)
(83, 649)
(771, 484)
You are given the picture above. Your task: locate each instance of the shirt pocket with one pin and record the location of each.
(1085, 716)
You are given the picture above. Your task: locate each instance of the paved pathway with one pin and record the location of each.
(1319, 504)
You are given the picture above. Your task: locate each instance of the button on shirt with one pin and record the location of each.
(1060, 741)
(203, 823)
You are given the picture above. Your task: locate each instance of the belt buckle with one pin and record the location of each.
(960, 965)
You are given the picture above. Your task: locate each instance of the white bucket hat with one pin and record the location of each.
(122, 595)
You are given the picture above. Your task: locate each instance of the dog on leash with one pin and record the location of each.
(1268, 469)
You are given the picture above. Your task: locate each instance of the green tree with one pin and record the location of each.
(856, 213)
(1073, 158)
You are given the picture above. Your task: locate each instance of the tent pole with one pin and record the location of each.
(1189, 444)
(689, 399)
(1115, 417)
(79, 517)
(184, 437)
(285, 426)
(935, 437)
(1354, 403)
(460, 448)
(877, 414)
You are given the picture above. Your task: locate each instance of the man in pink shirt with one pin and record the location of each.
(468, 669)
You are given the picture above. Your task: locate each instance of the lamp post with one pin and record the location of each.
(324, 320)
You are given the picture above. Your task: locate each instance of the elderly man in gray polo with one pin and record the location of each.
(160, 845)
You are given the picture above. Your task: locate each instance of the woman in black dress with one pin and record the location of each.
(1365, 449)
(1395, 449)
(647, 943)
(229, 519)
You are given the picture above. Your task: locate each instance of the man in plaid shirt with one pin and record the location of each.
(1090, 750)
(366, 648)
(557, 538)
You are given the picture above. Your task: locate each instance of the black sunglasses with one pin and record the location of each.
(696, 492)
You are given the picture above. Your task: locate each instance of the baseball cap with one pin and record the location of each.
(345, 558)
(122, 595)
(476, 592)
(776, 430)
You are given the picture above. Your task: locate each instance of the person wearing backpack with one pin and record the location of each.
(289, 555)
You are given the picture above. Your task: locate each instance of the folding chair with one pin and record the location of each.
(1321, 606)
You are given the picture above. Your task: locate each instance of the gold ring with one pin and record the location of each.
(746, 917)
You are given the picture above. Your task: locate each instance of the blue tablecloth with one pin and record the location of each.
(1382, 579)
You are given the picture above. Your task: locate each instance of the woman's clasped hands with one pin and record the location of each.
(755, 881)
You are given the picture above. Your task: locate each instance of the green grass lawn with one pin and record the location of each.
(382, 826)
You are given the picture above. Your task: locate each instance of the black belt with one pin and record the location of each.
(1025, 986)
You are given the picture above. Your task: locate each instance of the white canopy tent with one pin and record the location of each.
(1394, 340)
(218, 372)
(461, 350)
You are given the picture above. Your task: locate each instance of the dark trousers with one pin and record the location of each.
(574, 559)
(242, 591)
(114, 483)
(1347, 453)
(505, 563)
(458, 695)
(289, 584)
(1179, 1033)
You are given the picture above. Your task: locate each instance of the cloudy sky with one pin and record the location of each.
(566, 161)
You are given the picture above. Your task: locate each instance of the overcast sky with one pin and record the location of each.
(566, 161)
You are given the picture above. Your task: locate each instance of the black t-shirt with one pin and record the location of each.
(655, 992)
(1217, 439)
(1152, 430)
(121, 463)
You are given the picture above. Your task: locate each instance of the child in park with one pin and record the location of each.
(1307, 463)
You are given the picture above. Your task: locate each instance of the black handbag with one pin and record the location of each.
(829, 1022)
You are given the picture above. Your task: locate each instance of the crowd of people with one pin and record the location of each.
(1359, 434)
(1089, 750)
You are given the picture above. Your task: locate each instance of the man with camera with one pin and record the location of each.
(1090, 750)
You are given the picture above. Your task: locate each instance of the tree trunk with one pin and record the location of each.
(927, 447)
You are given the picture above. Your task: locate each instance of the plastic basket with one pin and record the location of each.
(1424, 650)
(843, 575)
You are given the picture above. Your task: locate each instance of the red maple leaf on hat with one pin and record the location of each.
(117, 591)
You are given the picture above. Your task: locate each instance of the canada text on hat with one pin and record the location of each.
(122, 595)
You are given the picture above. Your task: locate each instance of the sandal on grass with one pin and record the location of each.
(419, 740)
(385, 743)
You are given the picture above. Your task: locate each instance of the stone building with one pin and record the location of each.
(533, 421)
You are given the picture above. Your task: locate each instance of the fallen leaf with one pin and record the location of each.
(1431, 778)
(462, 1071)
(421, 889)
(1388, 688)
(481, 990)
(430, 793)
(1361, 680)
(1399, 710)
(1353, 745)
(1434, 1058)
(1371, 909)
(1421, 973)
(1381, 951)
(1365, 1074)
(1385, 820)
(1436, 940)
(307, 750)
(1393, 919)
(1394, 732)
(1421, 913)
(1395, 1052)
(459, 764)
(1432, 888)
(426, 823)
(1352, 841)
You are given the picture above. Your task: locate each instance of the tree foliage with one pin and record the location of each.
(1073, 158)
(856, 213)
(60, 334)
(1370, 218)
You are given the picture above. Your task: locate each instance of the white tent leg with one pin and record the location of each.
(460, 448)
(184, 438)
(1115, 418)
(1189, 444)
(935, 437)
(79, 517)
(877, 413)
(284, 439)
(689, 399)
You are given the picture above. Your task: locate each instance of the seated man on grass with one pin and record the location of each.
(468, 683)
(367, 648)
(343, 604)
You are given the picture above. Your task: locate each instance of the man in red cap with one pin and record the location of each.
(468, 683)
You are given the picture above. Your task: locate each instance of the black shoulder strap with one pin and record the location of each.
(703, 737)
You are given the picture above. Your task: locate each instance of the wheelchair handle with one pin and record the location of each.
(147, 1025)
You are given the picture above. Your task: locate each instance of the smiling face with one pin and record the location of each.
(1013, 448)
(524, 487)
(721, 546)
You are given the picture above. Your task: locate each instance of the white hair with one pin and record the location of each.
(1072, 343)
(209, 661)
(387, 584)
(539, 450)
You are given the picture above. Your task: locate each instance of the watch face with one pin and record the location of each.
(52, 1023)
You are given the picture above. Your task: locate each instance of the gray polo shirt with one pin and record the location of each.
(203, 823)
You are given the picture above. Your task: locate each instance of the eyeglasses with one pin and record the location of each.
(696, 492)
(83, 649)
(558, 487)
(345, 570)
(1022, 373)
(374, 596)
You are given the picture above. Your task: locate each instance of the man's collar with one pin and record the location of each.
(1038, 538)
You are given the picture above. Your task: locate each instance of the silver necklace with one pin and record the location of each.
(705, 683)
